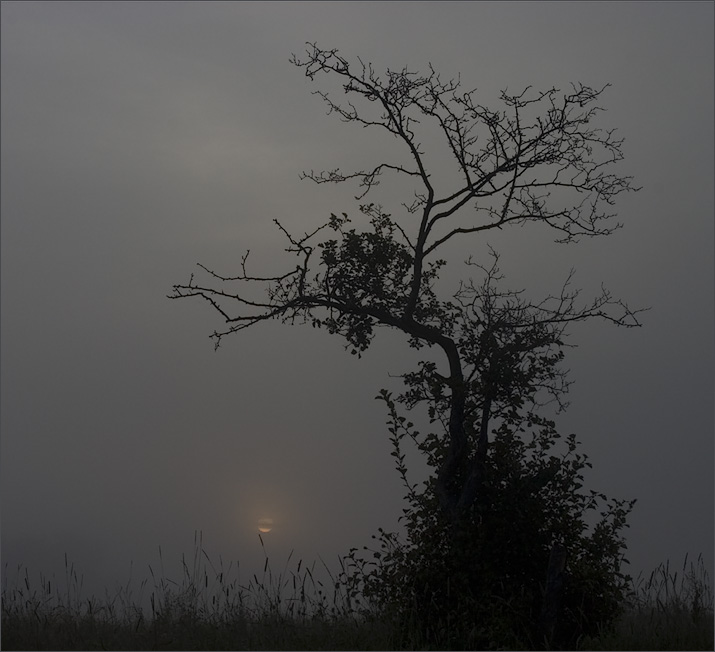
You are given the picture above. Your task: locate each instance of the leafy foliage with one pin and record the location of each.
(480, 584)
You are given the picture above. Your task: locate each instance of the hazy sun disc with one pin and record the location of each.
(265, 525)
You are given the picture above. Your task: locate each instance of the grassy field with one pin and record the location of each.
(208, 609)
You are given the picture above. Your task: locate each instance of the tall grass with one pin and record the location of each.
(300, 607)
(207, 608)
(666, 611)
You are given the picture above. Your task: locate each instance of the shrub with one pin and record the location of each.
(481, 582)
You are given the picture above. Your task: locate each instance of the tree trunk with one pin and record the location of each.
(552, 594)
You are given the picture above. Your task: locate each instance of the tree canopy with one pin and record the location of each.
(521, 164)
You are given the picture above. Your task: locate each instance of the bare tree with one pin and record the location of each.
(538, 159)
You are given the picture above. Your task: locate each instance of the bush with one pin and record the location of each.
(481, 582)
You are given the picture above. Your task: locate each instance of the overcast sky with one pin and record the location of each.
(141, 138)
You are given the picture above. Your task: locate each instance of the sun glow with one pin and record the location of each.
(265, 525)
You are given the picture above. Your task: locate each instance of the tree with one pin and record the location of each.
(535, 161)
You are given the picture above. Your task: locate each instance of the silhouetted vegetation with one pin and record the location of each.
(209, 609)
(503, 546)
(485, 583)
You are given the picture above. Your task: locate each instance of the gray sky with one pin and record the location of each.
(141, 138)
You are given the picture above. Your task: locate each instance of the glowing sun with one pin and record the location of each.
(265, 525)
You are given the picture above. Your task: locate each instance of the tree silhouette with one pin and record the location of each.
(536, 160)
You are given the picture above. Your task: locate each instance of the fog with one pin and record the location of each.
(141, 138)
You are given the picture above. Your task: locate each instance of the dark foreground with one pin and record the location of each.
(669, 611)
